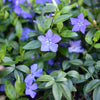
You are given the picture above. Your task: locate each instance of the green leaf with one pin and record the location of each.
(49, 8)
(66, 91)
(89, 36)
(74, 74)
(60, 76)
(45, 78)
(96, 93)
(47, 23)
(23, 68)
(19, 87)
(6, 71)
(68, 8)
(49, 83)
(18, 28)
(62, 18)
(2, 52)
(65, 65)
(56, 92)
(77, 62)
(32, 45)
(98, 63)
(46, 57)
(96, 36)
(68, 33)
(24, 8)
(97, 45)
(91, 85)
(10, 91)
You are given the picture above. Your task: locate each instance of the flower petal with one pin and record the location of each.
(75, 43)
(86, 22)
(33, 94)
(28, 78)
(34, 86)
(82, 29)
(74, 21)
(41, 38)
(33, 68)
(38, 73)
(56, 38)
(54, 47)
(81, 17)
(75, 28)
(44, 47)
(76, 49)
(49, 34)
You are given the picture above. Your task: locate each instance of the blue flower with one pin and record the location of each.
(20, 11)
(25, 32)
(34, 73)
(79, 23)
(30, 89)
(48, 42)
(75, 47)
(43, 1)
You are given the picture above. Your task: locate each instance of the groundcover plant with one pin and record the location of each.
(49, 50)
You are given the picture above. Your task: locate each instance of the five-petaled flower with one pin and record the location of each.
(79, 23)
(48, 42)
(30, 89)
(34, 73)
(75, 47)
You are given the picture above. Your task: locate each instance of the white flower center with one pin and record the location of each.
(48, 41)
(80, 23)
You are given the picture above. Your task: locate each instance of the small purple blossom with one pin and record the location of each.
(48, 42)
(50, 61)
(30, 89)
(79, 23)
(20, 11)
(34, 73)
(75, 47)
(25, 32)
(44, 1)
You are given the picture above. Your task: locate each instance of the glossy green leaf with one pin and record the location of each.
(46, 56)
(68, 33)
(74, 74)
(19, 86)
(97, 45)
(77, 62)
(65, 90)
(91, 85)
(10, 91)
(96, 93)
(32, 45)
(18, 28)
(6, 71)
(96, 36)
(62, 18)
(67, 8)
(23, 68)
(56, 92)
(45, 78)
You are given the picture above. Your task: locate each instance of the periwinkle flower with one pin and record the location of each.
(48, 42)
(43, 1)
(30, 89)
(20, 11)
(50, 61)
(79, 23)
(75, 47)
(34, 73)
(25, 32)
